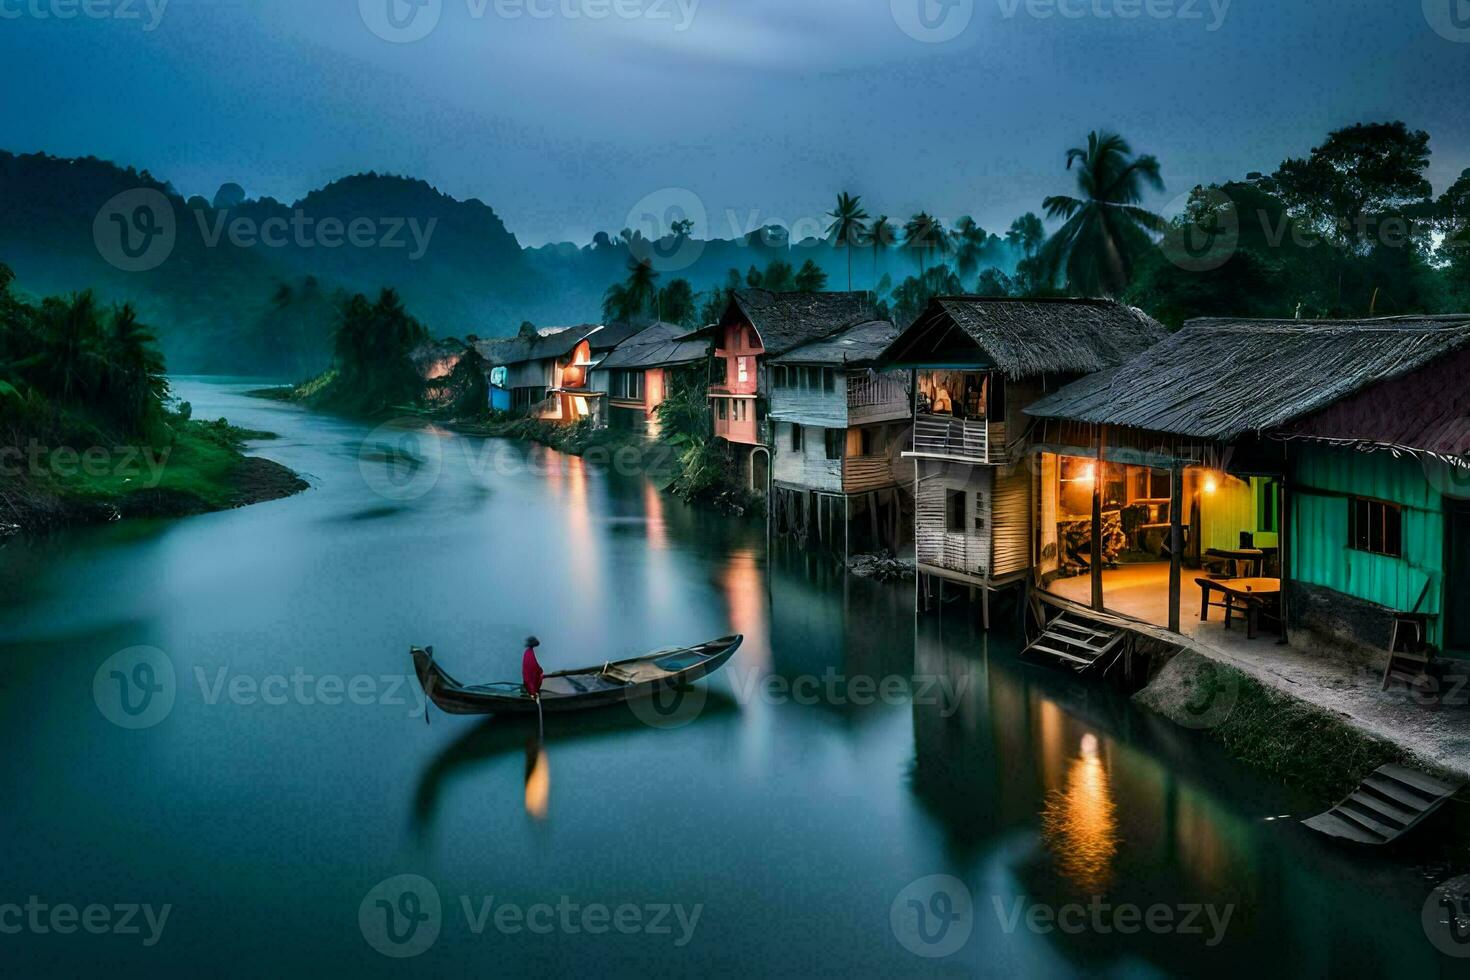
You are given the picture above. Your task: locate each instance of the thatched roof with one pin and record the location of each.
(1024, 338)
(858, 345)
(788, 320)
(661, 345)
(555, 342)
(1220, 379)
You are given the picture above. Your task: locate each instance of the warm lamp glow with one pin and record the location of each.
(1210, 485)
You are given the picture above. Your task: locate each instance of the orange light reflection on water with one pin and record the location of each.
(1079, 823)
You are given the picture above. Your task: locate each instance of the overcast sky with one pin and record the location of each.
(762, 109)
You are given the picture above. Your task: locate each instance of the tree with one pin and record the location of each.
(528, 331)
(373, 343)
(914, 293)
(969, 244)
(811, 278)
(779, 277)
(925, 235)
(994, 283)
(1105, 229)
(1452, 213)
(1359, 177)
(1026, 234)
(848, 226)
(676, 303)
(882, 232)
(633, 300)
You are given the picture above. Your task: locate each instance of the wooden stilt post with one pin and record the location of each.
(1097, 535)
(1176, 540)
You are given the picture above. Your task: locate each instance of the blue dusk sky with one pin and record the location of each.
(565, 114)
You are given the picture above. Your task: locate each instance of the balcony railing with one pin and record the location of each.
(962, 439)
(876, 395)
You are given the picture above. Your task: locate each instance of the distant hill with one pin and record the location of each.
(248, 288)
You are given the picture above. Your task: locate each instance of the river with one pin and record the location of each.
(787, 819)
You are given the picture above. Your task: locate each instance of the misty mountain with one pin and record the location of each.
(246, 285)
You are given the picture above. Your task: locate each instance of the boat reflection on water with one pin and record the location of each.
(1079, 824)
(498, 738)
(538, 779)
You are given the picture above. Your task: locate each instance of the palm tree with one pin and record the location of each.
(1026, 233)
(925, 234)
(849, 224)
(969, 241)
(882, 232)
(626, 301)
(1105, 228)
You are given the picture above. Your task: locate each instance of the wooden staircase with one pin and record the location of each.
(1389, 803)
(1073, 641)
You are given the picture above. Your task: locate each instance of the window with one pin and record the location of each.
(739, 409)
(835, 439)
(829, 380)
(720, 409)
(1375, 527)
(1268, 509)
(627, 385)
(867, 440)
(954, 511)
(796, 438)
(778, 377)
(742, 372)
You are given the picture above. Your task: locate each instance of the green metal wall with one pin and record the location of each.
(1319, 534)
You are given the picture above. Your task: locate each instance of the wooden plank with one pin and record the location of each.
(1390, 802)
(1333, 826)
(1417, 780)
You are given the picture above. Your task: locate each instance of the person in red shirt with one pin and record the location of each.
(531, 672)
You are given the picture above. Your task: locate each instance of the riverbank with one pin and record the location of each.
(1313, 717)
(201, 469)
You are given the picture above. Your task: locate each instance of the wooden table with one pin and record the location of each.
(1253, 595)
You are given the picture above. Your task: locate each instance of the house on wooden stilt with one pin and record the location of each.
(975, 363)
(757, 325)
(837, 426)
(1327, 461)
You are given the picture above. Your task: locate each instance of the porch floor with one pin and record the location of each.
(1336, 677)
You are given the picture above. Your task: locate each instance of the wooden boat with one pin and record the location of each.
(614, 682)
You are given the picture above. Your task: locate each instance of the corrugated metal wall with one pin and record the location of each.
(1011, 520)
(1320, 551)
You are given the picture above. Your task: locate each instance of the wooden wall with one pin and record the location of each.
(809, 469)
(967, 552)
(1319, 529)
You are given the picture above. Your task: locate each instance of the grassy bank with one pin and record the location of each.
(196, 468)
(1289, 738)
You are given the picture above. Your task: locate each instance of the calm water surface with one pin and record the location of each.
(790, 812)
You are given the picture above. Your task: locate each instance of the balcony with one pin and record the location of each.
(942, 437)
(876, 398)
